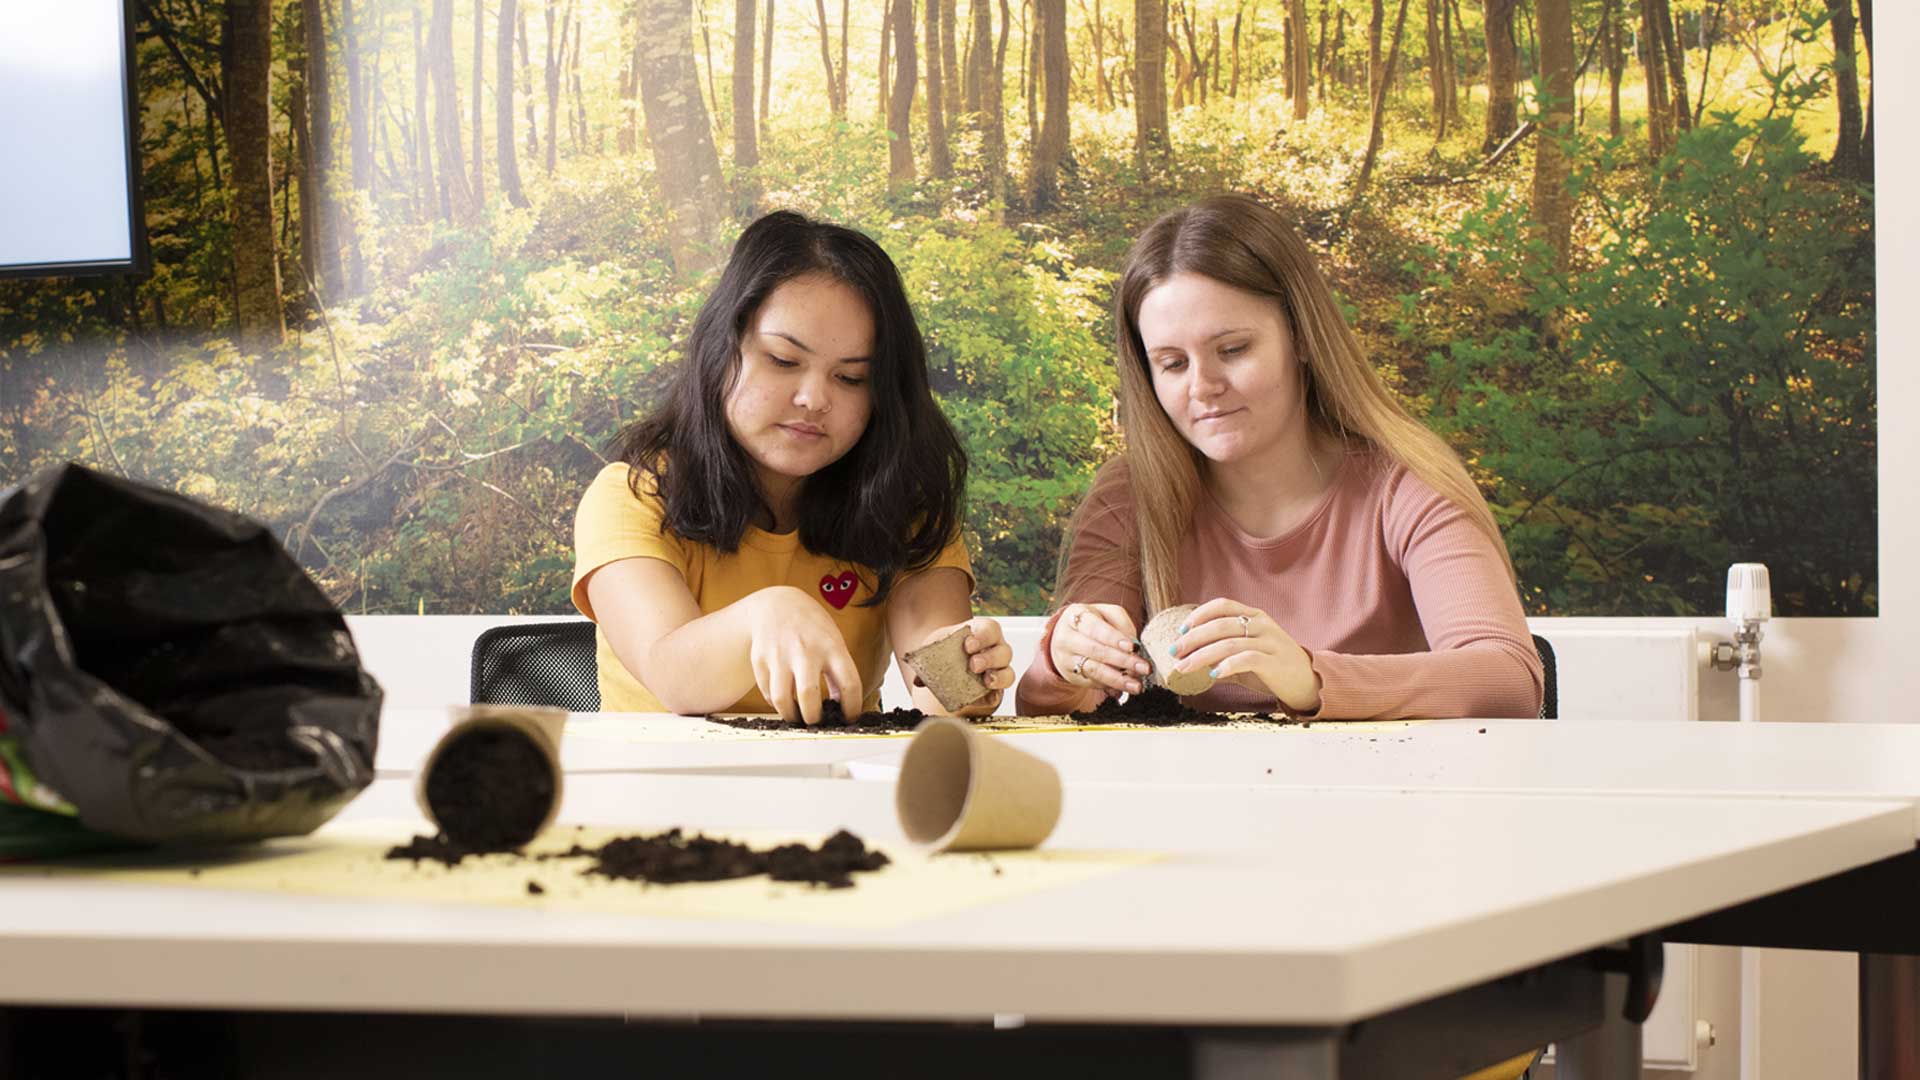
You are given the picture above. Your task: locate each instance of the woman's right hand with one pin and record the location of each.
(1093, 646)
(795, 645)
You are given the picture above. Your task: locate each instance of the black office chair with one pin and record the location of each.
(1550, 701)
(549, 663)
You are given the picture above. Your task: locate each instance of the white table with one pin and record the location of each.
(1410, 899)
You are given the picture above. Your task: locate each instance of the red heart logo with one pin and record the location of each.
(838, 590)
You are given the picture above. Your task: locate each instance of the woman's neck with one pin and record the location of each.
(1269, 493)
(781, 497)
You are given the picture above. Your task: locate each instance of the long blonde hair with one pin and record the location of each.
(1238, 241)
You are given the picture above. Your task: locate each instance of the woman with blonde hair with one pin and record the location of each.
(1344, 563)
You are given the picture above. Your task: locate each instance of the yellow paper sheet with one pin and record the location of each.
(348, 860)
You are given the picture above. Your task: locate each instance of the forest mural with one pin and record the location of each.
(415, 260)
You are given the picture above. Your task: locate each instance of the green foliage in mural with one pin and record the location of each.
(1689, 384)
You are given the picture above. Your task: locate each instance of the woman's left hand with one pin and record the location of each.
(1244, 645)
(989, 657)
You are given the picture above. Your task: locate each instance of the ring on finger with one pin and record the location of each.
(1079, 667)
(1075, 621)
(1243, 626)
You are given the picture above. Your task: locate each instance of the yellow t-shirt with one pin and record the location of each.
(612, 524)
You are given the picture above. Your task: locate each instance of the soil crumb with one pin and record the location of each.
(673, 857)
(832, 864)
(833, 716)
(436, 849)
(1158, 706)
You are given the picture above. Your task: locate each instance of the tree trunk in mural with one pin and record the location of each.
(1616, 59)
(1030, 71)
(679, 131)
(1339, 47)
(1653, 61)
(900, 103)
(1552, 204)
(1377, 125)
(1197, 64)
(993, 134)
(503, 77)
(1213, 61)
(1436, 72)
(555, 56)
(1150, 85)
(884, 99)
(1847, 158)
(939, 157)
(1000, 62)
(1233, 86)
(834, 98)
(629, 138)
(526, 84)
(456, 195)
(1302, 77)
(766, 69)
(746, 145)
(970, 64)
(1674, 45)
(1044, 185)
(422, 126)
(247, 53)
(1376, 26)
(580, 102)
(317, 171)
(949, 62)
(479, 103)
(300, 121)
(1503, 110)
(360, 89)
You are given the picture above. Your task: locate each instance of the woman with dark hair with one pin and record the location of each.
(794, 504)
(1343, 562)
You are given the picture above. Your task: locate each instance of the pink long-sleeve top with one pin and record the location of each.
(1403, 605)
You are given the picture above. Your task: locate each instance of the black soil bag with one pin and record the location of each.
(168, 673)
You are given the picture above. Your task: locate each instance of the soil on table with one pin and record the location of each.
(673, 857)
(833, 717)
(1158, 706)
(490, 789)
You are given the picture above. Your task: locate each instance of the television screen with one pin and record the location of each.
(69, 187)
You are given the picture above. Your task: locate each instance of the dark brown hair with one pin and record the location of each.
(892, 502)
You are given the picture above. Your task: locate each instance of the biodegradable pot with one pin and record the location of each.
(514, 750)
(947, 670)
(1159, 637)
(961, 789)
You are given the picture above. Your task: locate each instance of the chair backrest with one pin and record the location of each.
(549, 663)
(1550, 701)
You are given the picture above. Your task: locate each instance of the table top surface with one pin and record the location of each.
(1772, 760)
(1371, 868)
(1514, 756)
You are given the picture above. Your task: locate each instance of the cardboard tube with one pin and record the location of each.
(961, 789)
(540, 725)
